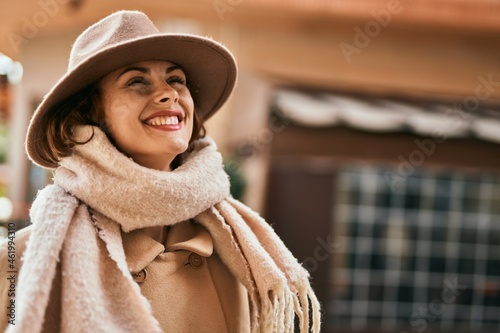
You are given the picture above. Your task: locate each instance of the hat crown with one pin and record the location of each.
(120, 27)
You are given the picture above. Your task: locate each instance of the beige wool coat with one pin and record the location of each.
(183, 279)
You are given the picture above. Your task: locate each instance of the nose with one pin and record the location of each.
(166, 95)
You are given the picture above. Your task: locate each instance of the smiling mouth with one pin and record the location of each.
(163, 120)
(166, 120)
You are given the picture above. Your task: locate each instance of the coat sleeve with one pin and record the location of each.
(11, 251)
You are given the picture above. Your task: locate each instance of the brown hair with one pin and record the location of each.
(84, 108)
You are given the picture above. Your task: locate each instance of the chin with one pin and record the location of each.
(178, 146)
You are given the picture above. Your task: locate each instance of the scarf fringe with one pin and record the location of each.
(277, 314)
(297, 277)
(289, 293)
(305, 300)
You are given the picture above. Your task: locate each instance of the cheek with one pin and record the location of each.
(121, 108)
(110, 106)
(189, 107)
(116, 121)
(187, 100)
(112, 118)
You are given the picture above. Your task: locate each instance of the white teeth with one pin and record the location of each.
(163, 120)
(172, 121)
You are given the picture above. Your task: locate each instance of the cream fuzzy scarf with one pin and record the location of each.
(126, 196)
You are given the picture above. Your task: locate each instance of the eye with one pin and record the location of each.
(137, 80)
(176, 79)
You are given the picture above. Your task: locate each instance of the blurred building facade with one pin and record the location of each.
(366, 133)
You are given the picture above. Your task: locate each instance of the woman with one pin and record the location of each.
(138, 233)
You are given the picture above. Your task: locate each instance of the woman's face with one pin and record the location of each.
(148, 111)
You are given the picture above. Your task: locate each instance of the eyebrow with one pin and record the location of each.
(146, 70)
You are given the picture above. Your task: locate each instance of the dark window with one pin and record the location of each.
(422, 255)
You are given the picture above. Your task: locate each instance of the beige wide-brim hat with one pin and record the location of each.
(126, 37)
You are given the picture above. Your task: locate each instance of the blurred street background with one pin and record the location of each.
(366, 132)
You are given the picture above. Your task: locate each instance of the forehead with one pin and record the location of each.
(148, 66)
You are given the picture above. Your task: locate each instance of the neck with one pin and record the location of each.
(160, 163)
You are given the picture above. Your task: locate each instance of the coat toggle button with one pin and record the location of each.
(195, 260)
(140, 276)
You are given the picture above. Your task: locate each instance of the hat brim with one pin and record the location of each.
(209, 67)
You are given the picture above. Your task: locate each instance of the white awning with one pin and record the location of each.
(383, 115)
